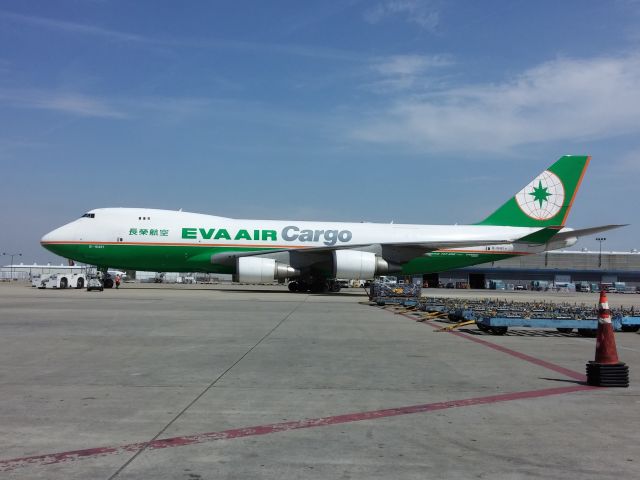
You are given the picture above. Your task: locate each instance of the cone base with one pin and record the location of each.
(608, 375)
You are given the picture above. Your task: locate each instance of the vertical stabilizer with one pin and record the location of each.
(547, 199)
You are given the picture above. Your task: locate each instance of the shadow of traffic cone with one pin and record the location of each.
(606, 370)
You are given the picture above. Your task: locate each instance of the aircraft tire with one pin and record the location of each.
(293, 286)
(565, 330)
(498, 330)
(319, 287)
(630, 328)
(587, 332)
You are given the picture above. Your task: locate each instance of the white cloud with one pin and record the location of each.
(399, 72)
(174, 109)
(73, 103)
(420, 12)
(563, 99)
(309, 51)
(72, 27)
(628, 163)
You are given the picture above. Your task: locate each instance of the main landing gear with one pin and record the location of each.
(316, 286)
(107, 280)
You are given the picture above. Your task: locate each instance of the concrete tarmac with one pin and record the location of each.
(239, 382)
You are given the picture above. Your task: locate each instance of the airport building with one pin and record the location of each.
(555, 266)
(25, 272)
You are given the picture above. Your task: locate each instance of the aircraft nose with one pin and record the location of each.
(55, 239)
(52, 236)
(45, 238)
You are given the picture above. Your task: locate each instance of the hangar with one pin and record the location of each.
(554, 266)
(25, 272)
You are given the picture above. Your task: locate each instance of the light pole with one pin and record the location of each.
(12, 255)
(600, 239)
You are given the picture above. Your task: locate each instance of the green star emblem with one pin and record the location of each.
(540, 193)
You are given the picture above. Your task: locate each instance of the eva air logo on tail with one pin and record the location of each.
(543, 198)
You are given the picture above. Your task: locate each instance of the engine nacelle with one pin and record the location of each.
(357, 265)
(262, 270)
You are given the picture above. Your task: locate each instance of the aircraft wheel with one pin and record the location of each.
(498, 330)
(293, 286)
(319, 287)
(587, 332)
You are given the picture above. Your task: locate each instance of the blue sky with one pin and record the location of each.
(416, 111)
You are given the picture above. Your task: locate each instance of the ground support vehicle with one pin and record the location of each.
(392, 293)
(64, 280)
(586, 328)
(36, 280)
(94, 283)
(497, 315)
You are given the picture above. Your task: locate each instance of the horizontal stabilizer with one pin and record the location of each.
(584, 232)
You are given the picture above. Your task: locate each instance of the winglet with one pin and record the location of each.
(545, 201)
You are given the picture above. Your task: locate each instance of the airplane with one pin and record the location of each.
(310, 255)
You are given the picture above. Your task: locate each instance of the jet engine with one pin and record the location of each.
(262, 270)
(357, 265)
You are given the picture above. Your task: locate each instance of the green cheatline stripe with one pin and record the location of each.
(185, 258)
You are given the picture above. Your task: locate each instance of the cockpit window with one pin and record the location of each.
(89, 215)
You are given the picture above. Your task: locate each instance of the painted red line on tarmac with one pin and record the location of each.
(527, 358)
(71, 456)
(522, 356)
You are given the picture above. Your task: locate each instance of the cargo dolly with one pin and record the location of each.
(496, 316)
(586, 328)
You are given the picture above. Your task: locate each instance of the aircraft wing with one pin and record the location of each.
(401, 250)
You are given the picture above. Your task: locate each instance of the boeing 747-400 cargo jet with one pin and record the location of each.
(310, 254)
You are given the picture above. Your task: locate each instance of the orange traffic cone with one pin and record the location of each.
(606, 370)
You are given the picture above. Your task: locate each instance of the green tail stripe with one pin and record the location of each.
(544, 202)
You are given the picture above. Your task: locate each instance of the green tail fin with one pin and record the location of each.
(547, 199)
